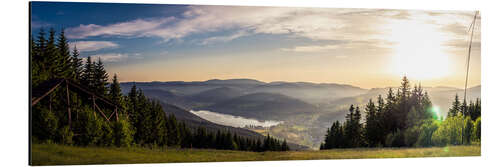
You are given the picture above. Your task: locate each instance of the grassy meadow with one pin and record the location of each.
(54, 154)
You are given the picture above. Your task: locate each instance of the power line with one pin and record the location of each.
(472, 27)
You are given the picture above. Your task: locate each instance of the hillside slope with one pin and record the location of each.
(193, 121)
(262, 106)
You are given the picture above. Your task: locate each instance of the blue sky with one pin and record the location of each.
(362, 47)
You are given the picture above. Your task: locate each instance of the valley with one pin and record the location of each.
(304, 110)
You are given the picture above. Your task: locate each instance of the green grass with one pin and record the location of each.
(52, 154)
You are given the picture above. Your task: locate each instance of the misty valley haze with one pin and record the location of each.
(234, 121)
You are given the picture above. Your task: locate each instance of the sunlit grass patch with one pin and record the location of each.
(52, 154)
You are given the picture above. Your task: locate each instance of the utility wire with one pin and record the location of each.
(473, 24)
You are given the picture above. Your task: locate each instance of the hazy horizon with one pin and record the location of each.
(397, 85)
(368, 48)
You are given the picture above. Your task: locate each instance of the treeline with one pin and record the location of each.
(405, 118)
(153, 127)
(142, 121)
(227, 141)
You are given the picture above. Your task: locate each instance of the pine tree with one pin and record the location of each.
(115, 91)
(476, 109)
(64, 60)
(173, 131)
(76, 65)
(350, 128)
(404, 105)
(371, 129)
(52, 57)
(36, 51)
(284, 146)
(88, 74)
(455, 107)
(100, 78)
(389, 119)
(357, 128)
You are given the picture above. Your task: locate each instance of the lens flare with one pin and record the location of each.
(437, 113)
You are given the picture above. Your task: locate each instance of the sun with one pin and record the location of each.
(418, 50)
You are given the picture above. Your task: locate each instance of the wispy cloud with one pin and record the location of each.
(312, 48)
(311, 23)
(39, 24)
(111, 57)
(139, 27)
(224, 38)
(341, 46)
(86, 46)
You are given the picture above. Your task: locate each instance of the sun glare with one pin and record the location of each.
(418, 50)
(436, 111)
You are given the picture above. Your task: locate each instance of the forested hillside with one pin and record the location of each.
(406, 118)
(69, 118)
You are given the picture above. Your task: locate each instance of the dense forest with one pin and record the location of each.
(145, 123)
(406, 118)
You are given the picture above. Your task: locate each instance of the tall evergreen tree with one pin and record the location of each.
(371, 128)
(455, 107)
(76, 65)
(52, 56)
(115, 91)
(100, 77)
(88, 74)
(64, 60)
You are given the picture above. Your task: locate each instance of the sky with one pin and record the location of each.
(362, 47)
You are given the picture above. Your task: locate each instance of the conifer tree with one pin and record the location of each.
(76, 65)
(100, 78)
(455, 107)
(64, 59)
(284, 146)
(52, 57)
(115, 91)
(476, 109)
(371, 129)
(88, 74)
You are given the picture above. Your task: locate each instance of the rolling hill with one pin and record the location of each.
(204, 91)
(216, 95)
(262, 106)
(309, 92)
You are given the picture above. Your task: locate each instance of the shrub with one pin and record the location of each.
(427, 128)
(468, 130)
(45, 124)
(395, 139)
(90, 128)
(449, 132)
(123, 133)
(106, 138)
(477, 130)
(411, 136)
(65, 135)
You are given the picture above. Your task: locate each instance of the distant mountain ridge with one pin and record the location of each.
(305, 91)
